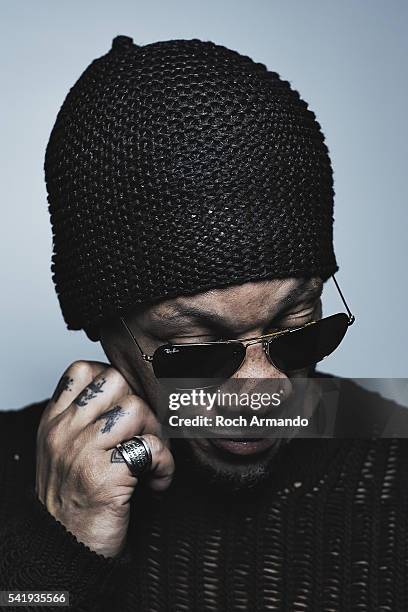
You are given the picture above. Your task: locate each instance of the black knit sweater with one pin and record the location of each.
(328, 532)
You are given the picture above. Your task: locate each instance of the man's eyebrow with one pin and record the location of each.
(304, 291)
(208, 317)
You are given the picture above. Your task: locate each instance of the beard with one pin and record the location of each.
(228, 474)
(232, 473)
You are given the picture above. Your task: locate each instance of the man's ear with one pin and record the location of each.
(122, 354)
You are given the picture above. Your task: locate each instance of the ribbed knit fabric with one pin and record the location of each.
(178, 167)
(328, 532)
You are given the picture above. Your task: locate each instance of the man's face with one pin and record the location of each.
(244, 311)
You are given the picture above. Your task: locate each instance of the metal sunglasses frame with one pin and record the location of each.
(265, 338)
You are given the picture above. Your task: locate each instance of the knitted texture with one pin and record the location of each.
(329, 532)
(178, 167)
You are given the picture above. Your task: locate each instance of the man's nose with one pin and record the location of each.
(257, 365)
(258, 375)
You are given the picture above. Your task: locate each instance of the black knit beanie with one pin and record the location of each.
(178, 167)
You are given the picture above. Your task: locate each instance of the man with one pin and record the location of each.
(191, 198)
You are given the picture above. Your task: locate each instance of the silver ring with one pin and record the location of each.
(137, 454)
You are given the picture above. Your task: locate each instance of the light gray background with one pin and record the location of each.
(347, 59)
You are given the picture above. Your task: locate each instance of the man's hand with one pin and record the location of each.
(81, 477)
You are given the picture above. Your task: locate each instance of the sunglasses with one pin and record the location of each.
(287, 350)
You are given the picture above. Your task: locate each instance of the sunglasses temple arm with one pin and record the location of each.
(351, 316)
(125, 325)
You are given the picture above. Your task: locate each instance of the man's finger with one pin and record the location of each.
(100, 394)
(161, 472)
(130, 416)
(77, 376)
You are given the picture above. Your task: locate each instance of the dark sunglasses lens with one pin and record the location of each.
(212, 361)
(307, 346)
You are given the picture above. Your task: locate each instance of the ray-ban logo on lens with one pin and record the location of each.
(171, 350)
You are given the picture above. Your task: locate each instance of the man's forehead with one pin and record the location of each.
(259, 295)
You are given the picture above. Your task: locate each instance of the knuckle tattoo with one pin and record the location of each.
(65, 384)
(111, 417)
(90, 392)
(116, 457)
